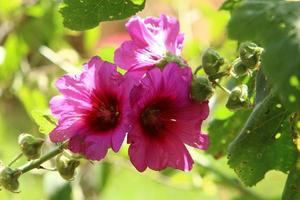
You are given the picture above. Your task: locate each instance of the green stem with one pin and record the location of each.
(37, 163)
(219, 75)
(222, 87)
(15, 159)
(197, 69)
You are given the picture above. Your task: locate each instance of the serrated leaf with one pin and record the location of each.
(292, 186)
(275, 26)
(222, 132)
(265, 143)
(44, 120)
(86, 14)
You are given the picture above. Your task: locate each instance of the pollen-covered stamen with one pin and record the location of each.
(104, 114)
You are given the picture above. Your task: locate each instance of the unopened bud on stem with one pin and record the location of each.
(211, 62)
(201, 89)
(239, 68)
(9, 178)
(30, 146)
(250, 54)
(66, 166)
(238, 98)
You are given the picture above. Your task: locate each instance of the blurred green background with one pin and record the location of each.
(35, 49)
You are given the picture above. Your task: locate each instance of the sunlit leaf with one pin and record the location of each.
(265, 143)
(44, 120)
(229, 5)
(14, 50)
(222, 132)
(86, 14)
(275, 26)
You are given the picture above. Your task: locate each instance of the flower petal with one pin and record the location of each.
(97, 146)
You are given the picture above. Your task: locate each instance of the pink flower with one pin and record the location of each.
(92, 110)
(164, 119)
(152, 40)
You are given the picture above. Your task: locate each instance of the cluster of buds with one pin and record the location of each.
(203, 86)
(249, 59)
(30, 146)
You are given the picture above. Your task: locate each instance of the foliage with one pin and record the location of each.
(44, 120)
(275, 26)
(86, 14)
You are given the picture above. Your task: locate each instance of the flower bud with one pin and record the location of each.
(171, 58)
(250, 54)
(9, 178)
(239, 69)
(66, 166)
(211, 62)
(238, 98)
(201, 89)
(30, 146)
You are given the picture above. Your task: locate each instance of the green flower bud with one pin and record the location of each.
(238, 98)
(211, 62)
(9, 178)
(250, 54)
(201, 89)
(239, 69)
(171, 58)
(66, 166)
(30, 146)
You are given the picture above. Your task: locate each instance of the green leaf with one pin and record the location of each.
(230, 5)
(265, 143)
(222, 132)
(44, 120)
(31, 98)
(86, 14)
(275, 26)
(292, 186)
(262, 87)
(14, 49)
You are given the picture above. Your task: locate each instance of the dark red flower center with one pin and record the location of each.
(104, 114)
(156, 117)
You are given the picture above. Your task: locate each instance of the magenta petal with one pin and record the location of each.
(167, 120)
(91, 109)
(169, 153)
(138, 32)
(126, 56)
(171, 30)
(97, 146)
(137, 150)
(77, 144)
(152, 39)
(65, 130)
(118, 137)
(157, 158)
(179, 157)
(72, 87)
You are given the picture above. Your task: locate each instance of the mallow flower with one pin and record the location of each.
(91, 111)
(164, 119)
(154, 41)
